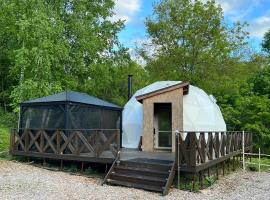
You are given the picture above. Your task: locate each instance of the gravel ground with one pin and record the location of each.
(22, 181)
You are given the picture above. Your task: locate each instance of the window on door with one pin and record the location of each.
(163, 125)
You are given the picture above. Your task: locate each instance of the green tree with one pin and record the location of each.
(191, 42)
(250, 109)
(57, 45)
(266, 42)
(260, 82)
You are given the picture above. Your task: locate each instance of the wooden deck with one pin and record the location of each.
(196, 153)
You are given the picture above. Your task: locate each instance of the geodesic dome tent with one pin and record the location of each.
(69, 110)
(200, 113)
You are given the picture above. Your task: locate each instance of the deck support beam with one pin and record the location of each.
(82, 167)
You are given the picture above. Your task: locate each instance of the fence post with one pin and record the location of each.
(118, 138)
(259, 159)
(243, 150)
(177, 157)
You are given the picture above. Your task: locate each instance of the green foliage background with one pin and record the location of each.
(51, 46)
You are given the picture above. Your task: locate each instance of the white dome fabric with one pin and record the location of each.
(200, 113)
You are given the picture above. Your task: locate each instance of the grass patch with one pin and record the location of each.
(8, 120)
(264, 160)
(4, 142)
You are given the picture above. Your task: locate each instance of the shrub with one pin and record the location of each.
(8, 119)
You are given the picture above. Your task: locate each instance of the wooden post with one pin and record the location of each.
(177, 157)
(176, 147)
(192, 149)
(26, 142)
(61, 165)
(217, 144)
(222, 145)
(223, 169)
(193, 181)
(233, 163)
(106, 168)
(259, 159)
(217, 170)
(200, 180)
(227, 143)
(82, 166)
(203, 146)
(76, 144)
(58, 148)
(243, 150)
(118, 140)
(210, 138)
(42, 141)
(229, 164)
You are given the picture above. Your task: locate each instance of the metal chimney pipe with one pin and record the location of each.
(129, 86)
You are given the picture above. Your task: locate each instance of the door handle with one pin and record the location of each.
(154, 131)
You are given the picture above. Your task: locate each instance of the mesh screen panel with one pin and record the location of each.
(79, 117)
(47, 117)
(88, 117)
(82, 117)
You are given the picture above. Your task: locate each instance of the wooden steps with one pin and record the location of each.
(142, 174)
(135, 185)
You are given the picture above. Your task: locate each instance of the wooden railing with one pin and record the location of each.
(81, 142)
(196, 148)
(115, 162)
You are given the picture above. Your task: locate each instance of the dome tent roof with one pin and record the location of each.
(200, 112)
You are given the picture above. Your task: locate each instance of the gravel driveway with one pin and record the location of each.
(22, 181)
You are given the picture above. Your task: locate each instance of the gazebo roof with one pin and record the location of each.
(71, 96)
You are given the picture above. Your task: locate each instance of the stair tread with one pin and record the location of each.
(136, 185)
(141, 177)
(146, 165)
(131, 168)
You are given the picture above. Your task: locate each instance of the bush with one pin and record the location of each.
(8, 119)
(210, 180)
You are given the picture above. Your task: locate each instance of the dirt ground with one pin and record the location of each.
(23, 181)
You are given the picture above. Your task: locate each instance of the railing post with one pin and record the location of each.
(259, 159)
(26, 141)
(118, 142)
(223, 144)
(176, 146)
(76, 143)
(203, 146)
(210, 145)
(58, 141)
(243, 150)
(192, 149)
(217, 144)
(227, 143)
(42, 141)
(177, 157)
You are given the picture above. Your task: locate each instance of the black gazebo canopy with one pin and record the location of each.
(70, 110)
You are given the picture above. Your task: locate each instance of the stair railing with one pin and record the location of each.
(116, 161)
(169, 179)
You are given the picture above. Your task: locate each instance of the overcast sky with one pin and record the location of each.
(255, 12)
